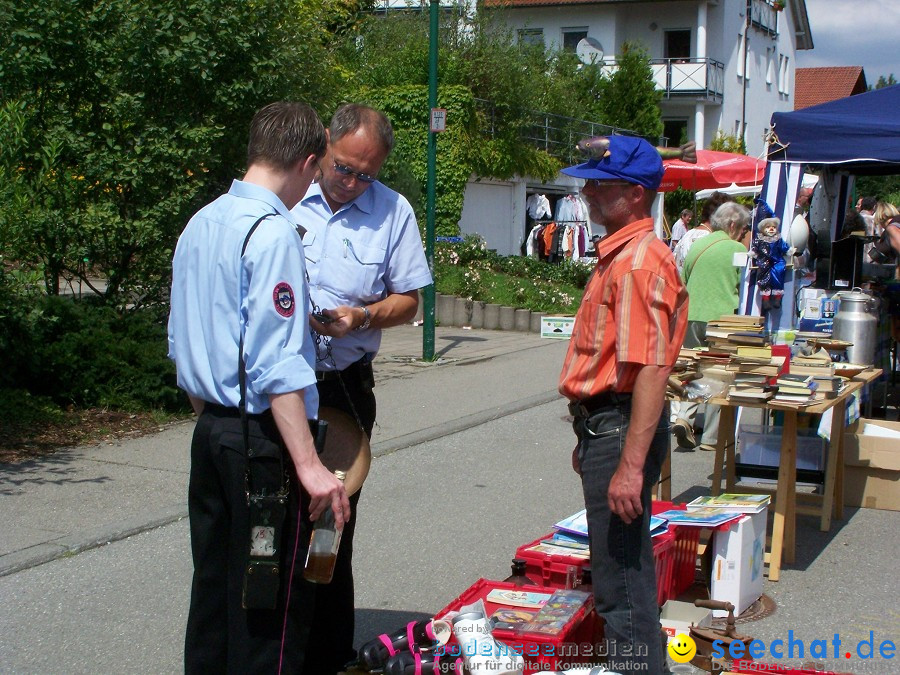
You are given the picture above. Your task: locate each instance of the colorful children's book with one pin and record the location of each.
(576, 523)
(704, 517)
(503, 596)
(558, 611)
(731, 502)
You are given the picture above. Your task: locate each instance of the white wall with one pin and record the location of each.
(496, 209)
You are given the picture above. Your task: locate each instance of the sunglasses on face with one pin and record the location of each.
(347, 171)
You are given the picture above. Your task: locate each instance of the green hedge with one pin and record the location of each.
(87, 354)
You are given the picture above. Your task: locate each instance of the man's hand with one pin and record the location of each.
(325, 491)
(576, 465)
(343, 320)
(624, 495)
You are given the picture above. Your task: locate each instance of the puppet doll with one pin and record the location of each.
(769, 251)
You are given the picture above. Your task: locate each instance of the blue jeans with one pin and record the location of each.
(622, 565)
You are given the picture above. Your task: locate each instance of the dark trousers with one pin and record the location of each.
(222, 636)
(622, 565)
(333, 625)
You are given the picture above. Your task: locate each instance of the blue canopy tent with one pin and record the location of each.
(856, 135)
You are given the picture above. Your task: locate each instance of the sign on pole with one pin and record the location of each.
(438, 119)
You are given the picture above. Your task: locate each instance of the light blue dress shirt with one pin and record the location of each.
(371, 247)
(216, 293)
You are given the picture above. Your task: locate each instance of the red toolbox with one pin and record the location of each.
(551, 570)
(574, 644)
(684, 552)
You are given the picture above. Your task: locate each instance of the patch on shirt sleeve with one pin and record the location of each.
(283, 296)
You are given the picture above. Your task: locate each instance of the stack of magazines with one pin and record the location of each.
(713, 511)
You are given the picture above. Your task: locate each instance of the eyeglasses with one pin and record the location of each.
(347, 171)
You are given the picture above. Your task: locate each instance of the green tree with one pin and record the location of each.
(121, 116)
(629, 98)
(883, 82)
(728, 143)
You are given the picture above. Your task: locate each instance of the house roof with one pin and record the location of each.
(820, 85)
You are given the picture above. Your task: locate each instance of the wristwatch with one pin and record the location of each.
(365, 324)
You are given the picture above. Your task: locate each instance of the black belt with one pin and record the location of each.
(358, 369)
(589, 406)
(220, 410)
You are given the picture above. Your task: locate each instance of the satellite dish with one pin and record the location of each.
(589, 51)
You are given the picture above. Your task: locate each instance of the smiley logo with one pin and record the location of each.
(682, 649)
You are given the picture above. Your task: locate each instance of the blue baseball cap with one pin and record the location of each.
(630, 159)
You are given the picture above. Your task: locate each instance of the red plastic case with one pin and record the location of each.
(684, 551)
(551, 570)
(576, 644)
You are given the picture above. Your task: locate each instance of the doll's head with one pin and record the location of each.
(769, 227)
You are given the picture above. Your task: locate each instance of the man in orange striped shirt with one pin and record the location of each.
(626, 338)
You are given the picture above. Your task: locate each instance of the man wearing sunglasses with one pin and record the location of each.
(366, 263)
(627, 335)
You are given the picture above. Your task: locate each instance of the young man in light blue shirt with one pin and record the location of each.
(239, 289)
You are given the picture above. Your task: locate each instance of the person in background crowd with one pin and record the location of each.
(366, 264)
(679, 229)
(627, 335)
(712, 282)
(716, 199)
(239, 304)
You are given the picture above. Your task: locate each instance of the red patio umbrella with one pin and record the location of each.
(713, 169)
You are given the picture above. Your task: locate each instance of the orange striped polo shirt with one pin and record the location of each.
(633, 313)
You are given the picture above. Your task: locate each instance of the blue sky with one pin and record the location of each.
(854, 33)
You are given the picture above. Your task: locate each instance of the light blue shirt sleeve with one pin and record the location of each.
(278, 349)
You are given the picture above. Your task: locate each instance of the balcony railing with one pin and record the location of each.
(697, 78)
(764, 16)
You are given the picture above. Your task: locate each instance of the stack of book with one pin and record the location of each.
(730, 331)
(796, 388)
(817, 365)
(735, 503)
(829, 386)
(751, 388)
(769, 368)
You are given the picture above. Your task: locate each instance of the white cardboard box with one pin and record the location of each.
(678, 617)
(737, 563)
(557, 327)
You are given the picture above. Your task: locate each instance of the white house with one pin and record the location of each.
(717, 68)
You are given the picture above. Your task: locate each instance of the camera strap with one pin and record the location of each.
(267, 502)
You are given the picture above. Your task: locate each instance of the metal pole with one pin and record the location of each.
(428, 310)
(747, 24)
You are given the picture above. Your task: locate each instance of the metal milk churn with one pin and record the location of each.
(855, 322)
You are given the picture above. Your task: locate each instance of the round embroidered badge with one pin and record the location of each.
(283, 296)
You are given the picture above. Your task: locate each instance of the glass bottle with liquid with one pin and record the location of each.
(323, 546)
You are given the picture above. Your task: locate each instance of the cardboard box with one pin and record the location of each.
(678, 617)
(762, 446)
(872, 467)
(557, 327)
(737, 563)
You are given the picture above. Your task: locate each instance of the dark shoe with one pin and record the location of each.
(684, 435)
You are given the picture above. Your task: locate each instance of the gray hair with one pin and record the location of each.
(728, 214)
(351, 116)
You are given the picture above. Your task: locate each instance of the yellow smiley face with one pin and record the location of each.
(682, 649)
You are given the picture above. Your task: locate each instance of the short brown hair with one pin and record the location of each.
(283, 133)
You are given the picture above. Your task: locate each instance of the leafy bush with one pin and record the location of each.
(88, 354)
